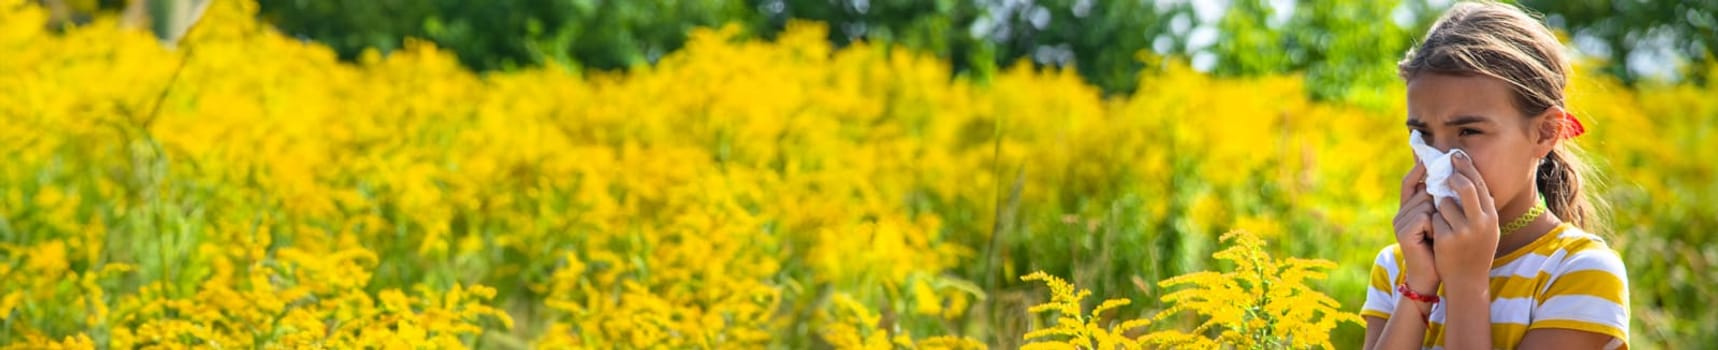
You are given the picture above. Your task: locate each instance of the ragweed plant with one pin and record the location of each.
(263, 193)
(1264, 303)
(849, 324)
(1075, 329)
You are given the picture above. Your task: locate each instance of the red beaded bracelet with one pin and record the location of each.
(1411, 295)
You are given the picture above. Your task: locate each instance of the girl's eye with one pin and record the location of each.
(1466, 132)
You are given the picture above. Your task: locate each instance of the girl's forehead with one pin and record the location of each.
(1436, 98)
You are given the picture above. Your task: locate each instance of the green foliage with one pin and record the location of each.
(1688, 29)
(1342, 46)
(506, 34)
(1345, 48)
(1100, 38)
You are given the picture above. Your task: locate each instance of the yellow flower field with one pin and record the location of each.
(249, 190)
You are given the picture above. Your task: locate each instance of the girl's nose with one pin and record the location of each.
(1445, 143)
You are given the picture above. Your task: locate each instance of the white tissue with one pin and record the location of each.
(1439, 166)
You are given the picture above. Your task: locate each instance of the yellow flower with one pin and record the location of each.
(250, 190)
(1073, 328)
(1264, 302)
(11, 300)
(48, 259)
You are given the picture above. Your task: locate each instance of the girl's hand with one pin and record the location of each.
(1414, 232)
(1466, 234)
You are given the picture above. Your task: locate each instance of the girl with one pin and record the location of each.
(1508, 262)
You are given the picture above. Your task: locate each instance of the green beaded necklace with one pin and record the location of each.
(1525, 218)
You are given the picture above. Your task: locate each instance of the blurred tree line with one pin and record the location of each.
(1345, 47)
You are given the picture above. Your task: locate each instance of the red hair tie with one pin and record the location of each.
(1573, 128)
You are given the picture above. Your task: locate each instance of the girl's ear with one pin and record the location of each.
(1549, 127)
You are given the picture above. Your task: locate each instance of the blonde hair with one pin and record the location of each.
(1504, 42)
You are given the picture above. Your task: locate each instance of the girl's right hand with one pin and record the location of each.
(1414, 232)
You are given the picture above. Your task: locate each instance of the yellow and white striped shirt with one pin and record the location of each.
(1566, 279)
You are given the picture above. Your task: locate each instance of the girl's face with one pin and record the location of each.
(1478, 115)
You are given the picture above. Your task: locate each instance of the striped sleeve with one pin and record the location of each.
(1381, 292)
(1588, 292)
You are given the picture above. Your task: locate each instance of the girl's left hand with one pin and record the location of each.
(1465, 235)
